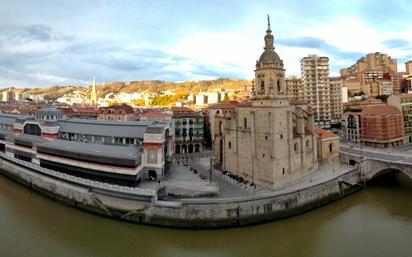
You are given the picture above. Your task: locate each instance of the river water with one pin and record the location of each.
(374, 222)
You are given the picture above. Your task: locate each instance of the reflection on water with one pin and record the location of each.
(375, 222)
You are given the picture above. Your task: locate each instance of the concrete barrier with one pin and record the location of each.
(144, 207)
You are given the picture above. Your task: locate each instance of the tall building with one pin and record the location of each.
(93, 93)
(317, 91)
(294, 87)
(408, 67)
(336, 103)
(269, 141)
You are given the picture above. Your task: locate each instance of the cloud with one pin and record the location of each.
(397, 43)
(319, 44)
(65, 43)
(39, 56)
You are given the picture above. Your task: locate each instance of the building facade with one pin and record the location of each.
(188, 131)
(408, 67)
(328, 144)
(122, 112)
(269, 141)
(317, 89)
(122, 153)
(295, 88)
(336, 101)
(404, 104)
(351, 130)
(382, 126)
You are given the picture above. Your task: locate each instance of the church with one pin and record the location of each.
(269, 141)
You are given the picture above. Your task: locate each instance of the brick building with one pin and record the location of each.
(121, 112)
(382, 126)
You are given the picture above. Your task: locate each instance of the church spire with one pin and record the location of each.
(269, 37)
(93, 94)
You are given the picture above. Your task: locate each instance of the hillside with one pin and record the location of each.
(148, 87)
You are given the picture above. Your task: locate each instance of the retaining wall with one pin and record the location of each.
(141, 206)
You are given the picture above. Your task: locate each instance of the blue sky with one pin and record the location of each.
(47, 42)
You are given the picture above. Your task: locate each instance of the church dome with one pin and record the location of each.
(269, 57)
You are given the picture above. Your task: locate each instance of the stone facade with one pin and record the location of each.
(328, 144)
(269, 141)
(188, 131)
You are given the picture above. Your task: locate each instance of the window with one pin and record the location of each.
(283, 171)
(330, 147)
(307, 143)
(230, 145)
(245, 123)
(281, 136)
(295, 147)
(278, 85)
(262, 86)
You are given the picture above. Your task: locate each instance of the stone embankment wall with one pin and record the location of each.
(142, 206)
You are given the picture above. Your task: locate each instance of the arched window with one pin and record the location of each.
(278, 82)
(32, 129)
(330, 147)
(262, 86)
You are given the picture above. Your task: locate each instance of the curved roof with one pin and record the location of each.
(49, 109)
(269, 56)
(132, 129)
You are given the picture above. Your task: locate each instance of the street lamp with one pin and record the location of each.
(211, 168)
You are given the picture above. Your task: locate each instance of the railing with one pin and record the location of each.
(82, 181)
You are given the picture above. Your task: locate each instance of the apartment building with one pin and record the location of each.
(316, 88)
(294, 88)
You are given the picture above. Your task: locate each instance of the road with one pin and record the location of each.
(391, 155)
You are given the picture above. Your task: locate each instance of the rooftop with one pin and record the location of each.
(381, 110)
(325, 134)
(106, 154)
(131, 129)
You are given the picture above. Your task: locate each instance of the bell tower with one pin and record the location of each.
(269, 73)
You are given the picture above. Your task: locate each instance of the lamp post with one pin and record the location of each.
(211, 168)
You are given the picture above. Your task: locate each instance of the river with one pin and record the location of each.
(374, 222)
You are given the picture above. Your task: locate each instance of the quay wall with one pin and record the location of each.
(142, 206)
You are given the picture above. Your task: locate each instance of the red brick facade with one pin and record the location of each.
(382, 126)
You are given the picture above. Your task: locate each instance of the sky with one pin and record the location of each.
(67, 42)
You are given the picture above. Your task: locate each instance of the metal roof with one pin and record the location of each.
(7, 119)
(25, 139)
(105, 154)
(131, 129)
